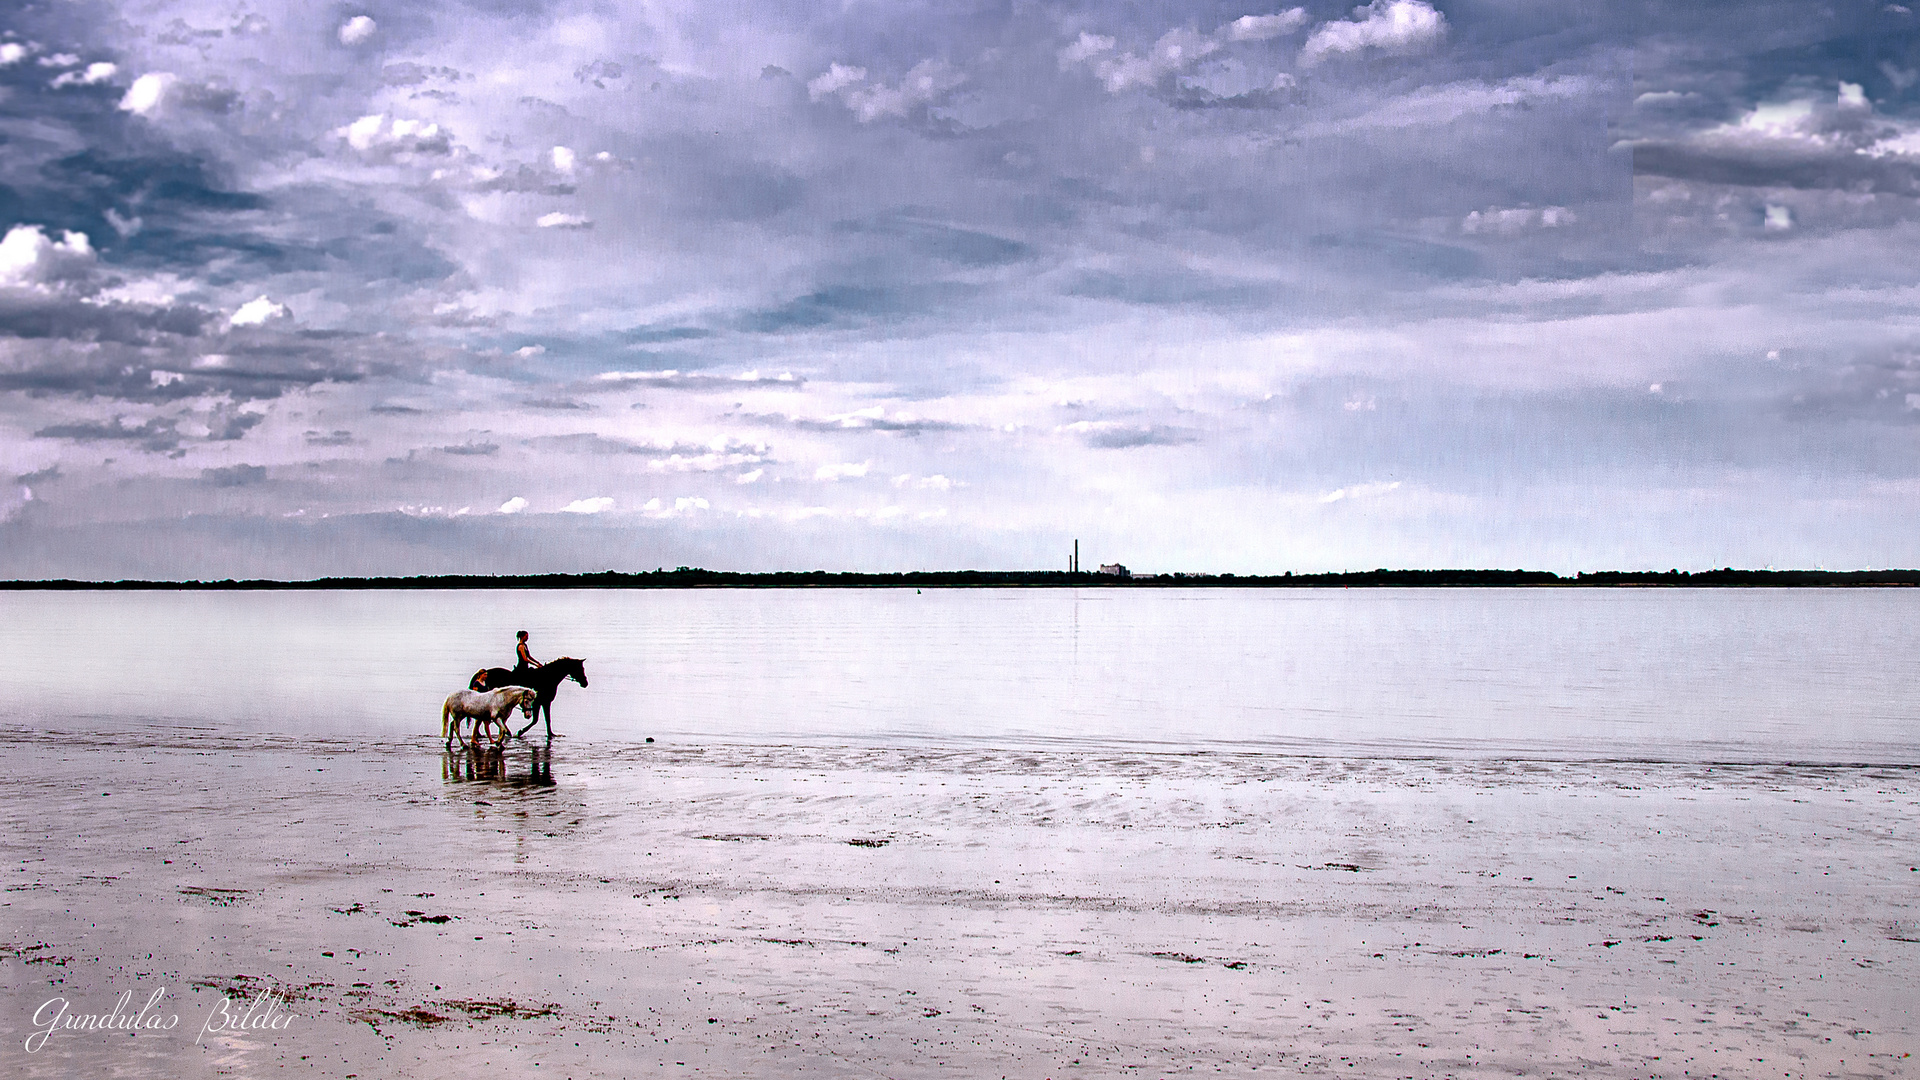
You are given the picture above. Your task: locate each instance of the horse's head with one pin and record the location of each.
(579, 672)
(527, 700)
(569, 668)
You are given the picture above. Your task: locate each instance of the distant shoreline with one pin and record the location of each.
(694, 578)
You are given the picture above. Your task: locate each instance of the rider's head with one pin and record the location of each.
(522, 635)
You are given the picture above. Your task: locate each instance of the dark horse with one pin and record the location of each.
(544, 681)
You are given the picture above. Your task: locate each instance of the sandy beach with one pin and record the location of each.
(752, 910)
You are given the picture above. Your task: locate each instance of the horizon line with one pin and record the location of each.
(696, 577)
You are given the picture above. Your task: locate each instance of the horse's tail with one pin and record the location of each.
(446, 710)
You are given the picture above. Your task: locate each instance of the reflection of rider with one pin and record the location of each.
(525, 661)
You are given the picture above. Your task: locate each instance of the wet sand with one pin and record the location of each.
(738, 910)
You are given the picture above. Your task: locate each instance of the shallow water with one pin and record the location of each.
(738, 910)
(1688, 675)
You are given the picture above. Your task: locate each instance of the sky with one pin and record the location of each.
(305, 289)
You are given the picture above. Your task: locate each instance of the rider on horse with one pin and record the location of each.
(524, 659)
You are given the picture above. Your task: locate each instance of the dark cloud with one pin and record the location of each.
(234, 475)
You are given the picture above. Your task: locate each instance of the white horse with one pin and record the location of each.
(485, 707)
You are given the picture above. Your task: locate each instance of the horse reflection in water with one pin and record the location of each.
(492, 763)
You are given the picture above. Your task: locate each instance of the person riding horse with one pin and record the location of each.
(524, 661)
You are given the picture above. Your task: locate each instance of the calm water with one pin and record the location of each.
(1821, 675)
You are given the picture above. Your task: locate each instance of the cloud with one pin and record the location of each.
(936, 482)
(259, 311)
(1798, 139)
(1117, 435)
(1389, 26)
(1084, 48)
(925, 84)
(1509, 221)
(675, 379)
(841, 470)
(1360, 491)
(29, 258)
(596, 505)
(871, 418)
(356, 30)
(836, 78)
(234, 475)
(513, 505)
(557, 220)
(1263, 27)
(380, 136)
(92, 75)
(1177, 50)
(683, 506)
(143, 98)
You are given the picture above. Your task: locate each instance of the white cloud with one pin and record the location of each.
(750, 477)
(1778, 219)
(682, 506)
(923, 85)
(596, 505)
(258, 312)
(1391, 26)
(28, 257)
(93, 75)
(513, 505)
(164, 378)
(1359, 491)
(1507, 221)
(1085, 47)
(11, 53)
(562, 157)
(836, 78)
(357, 29)
(841, 470)
(936, 482)
(1263, 27)
(1778, 118)
(926, 83)
(1177, 49)
(558, 220)
(380, 135)
(147, 92)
